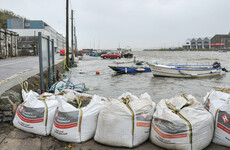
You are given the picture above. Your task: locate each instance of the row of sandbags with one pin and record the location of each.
(56, 114)
(178, 123)
(50, 113)
(182, 123)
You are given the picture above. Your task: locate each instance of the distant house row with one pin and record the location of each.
(27, 37)
(217, 41)
(8, 43)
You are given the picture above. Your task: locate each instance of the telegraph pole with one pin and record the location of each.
(67, 33)
(75, 38)
(72, 36)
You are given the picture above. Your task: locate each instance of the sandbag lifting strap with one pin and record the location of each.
(126, 102)
(189, 125)
(78, 102)
(185, 97)
(189, 101)
(24, 85)
(207, 98)
(217, 112)
(46, 108)
(177, 111)
(224, 90)
(80, 119)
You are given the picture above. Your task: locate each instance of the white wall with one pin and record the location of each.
(28, 32)
(48, 31)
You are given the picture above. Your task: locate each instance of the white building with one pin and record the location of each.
(197, 43)
(30, 29)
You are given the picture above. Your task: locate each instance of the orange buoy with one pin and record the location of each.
(97, 72)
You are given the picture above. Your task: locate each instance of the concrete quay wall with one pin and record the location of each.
(10, 95)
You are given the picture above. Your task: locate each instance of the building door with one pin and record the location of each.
(9, 50)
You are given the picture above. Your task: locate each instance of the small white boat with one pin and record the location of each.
(185, 71)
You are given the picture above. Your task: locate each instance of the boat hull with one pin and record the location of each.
(130, 69)
(168, 71)
(129, 55)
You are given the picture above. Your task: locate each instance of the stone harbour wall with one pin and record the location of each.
(8, 104)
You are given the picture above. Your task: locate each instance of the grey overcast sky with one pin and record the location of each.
(136, 23)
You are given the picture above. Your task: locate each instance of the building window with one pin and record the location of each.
(27, 24)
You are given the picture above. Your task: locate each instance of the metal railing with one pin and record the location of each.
(46, 58)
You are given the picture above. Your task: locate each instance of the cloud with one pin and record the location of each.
(137, 23)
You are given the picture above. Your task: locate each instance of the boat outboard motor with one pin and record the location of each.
(139, 63)
(216, 65)
(224, 69)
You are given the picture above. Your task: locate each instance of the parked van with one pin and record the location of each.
(62, 52)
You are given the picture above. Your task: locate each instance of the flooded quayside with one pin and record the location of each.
(111, 84)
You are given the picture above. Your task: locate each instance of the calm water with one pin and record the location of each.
(109, 84)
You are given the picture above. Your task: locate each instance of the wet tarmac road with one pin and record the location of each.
(12, 66)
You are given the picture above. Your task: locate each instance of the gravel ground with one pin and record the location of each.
(12, 138)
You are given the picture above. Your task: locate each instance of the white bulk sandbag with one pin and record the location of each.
(181, 123)
(125, 122)
(35, 115)
(73, 124)
(71, 94)
(218, 103)
(26, 94)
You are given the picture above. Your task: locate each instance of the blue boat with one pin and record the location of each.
(138, 67)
